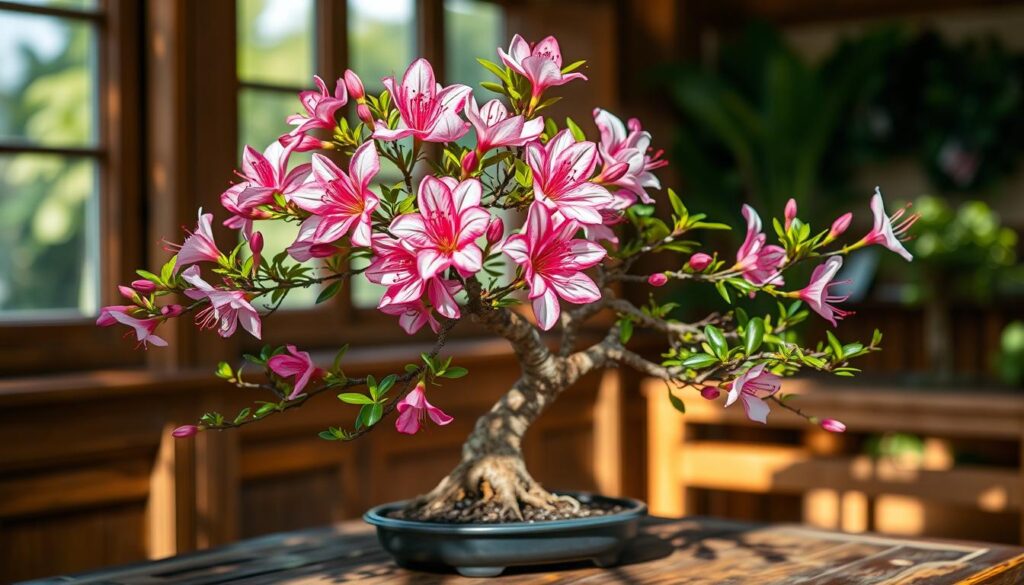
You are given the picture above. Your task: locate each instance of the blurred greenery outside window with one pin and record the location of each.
(49, 159)
(277, 58)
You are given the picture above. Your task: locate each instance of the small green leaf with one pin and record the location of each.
(625, 330)
(376, 412)
(455, 372)
(720, 287)
(331, 290)
(354, 398)
(572, 66)
(576, 131)
(224, 371)
(386, 384)
(495, 87)
(242, 415)
(327, 436)
(837, 348)
(716, 340)
(699, 360)
(676, 402)
(753, 335)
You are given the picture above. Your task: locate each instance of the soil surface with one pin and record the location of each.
(475, 511)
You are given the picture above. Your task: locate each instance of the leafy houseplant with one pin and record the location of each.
(432, 240)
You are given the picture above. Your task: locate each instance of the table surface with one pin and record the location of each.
(690, 550)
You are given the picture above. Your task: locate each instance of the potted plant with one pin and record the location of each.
(434, 241)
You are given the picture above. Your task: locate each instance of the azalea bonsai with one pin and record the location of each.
(437, 239)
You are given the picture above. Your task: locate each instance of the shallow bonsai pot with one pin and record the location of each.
(485, 550)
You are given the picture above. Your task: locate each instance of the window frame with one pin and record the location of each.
(37, 343)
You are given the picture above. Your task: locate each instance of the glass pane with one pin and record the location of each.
(47, 80)
(77, 4)
(473, 29)
(49, 241)
(382, 39)
(277, 236)
(275, 41)
(261, 119)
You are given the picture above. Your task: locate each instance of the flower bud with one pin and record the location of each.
(171, 311)
(657, 279)
(790, 212)
(127, 291)
(710, 392)
(839, 225)
(256, 246)
(354, 85)
(185, 431)
(613, 173)
(363, 111)
(699, 261)
(495, 231)
(833, 426)
(143, 286)
(469, 162)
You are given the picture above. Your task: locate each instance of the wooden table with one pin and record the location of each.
(691, 550)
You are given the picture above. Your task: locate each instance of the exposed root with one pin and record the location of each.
(500, 479)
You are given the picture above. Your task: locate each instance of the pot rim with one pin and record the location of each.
(377, 516)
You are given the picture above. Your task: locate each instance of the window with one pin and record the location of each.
(50, 154)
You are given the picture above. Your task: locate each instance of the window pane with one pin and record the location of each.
(261, 119)
(381, 38)
(473, 28)
(277, 236)
(275, 41)
(47, 80)
(49, 241)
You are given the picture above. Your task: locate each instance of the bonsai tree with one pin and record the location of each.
(435, 241)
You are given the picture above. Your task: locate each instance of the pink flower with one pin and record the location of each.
(759, 263)
(790, 212)
(339, 202)
(445, 230)
(354, 85)
(227, 308)
(428, 111)
(171, 311)
(320, 107)
(840, 225)
(304, 143)
(199, 246)
(469, 162)
(816, 293)
(710, 393)
(185, 431)
(256, 247)
(263, 175)
(561, 178)
(495, 231)
(657, 279)
(143, 286)
(412, 316)
(394, 266)
(494, 127)
(413, 408)
(541, 65)
(833, 426)
(699, 261)
(144, 328)
(298, 364)
(553, 262)
(627, 163)
(753, 386)
(884, 233)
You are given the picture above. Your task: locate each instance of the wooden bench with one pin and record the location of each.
(696, 551)
(717, 451)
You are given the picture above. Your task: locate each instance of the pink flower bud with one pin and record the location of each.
(495, 231)
(171, 311)
(256, 243)
(833, 426)
(363, 111)
(185, 431)
(354, 85)
(710, 392)
(614, 172)
(657, 279)
(699, 261)
(143, 286)
(126, 291)
(839, 225)
(790, 212)
(469, 162)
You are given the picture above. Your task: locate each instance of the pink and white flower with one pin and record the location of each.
(144, 328)
(561, 178)
(414, 408)
(816, 293)
(412, 316)
(428, 112)
(752, 387)
(541, 64)
(554, 262)
(199, 246)
(444, 232)
(227, 308)
(626, 158)
(340, 202)
(494, 127)
(760, 263)
(394, 266)
(294, 363)
(320, 106)
(263, 175)
(885, 231)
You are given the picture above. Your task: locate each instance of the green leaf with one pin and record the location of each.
(242, 415)
(386, 384)
(720, 287)
(576, 131)
(224, 371)
(716, 340)
(676, 402)
(455, 372)
(331, 290)
(336, 366)
(753, 335)
(572, 66)
(625, 330)
(677, 205)
(837, 348)
(354, 398)
(491, 86)
(148, 276)
(327, 436)
(167, 271)
(376, 412)
(699, 360)
(495, 69)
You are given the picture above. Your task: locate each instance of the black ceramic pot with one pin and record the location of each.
(485, 550)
